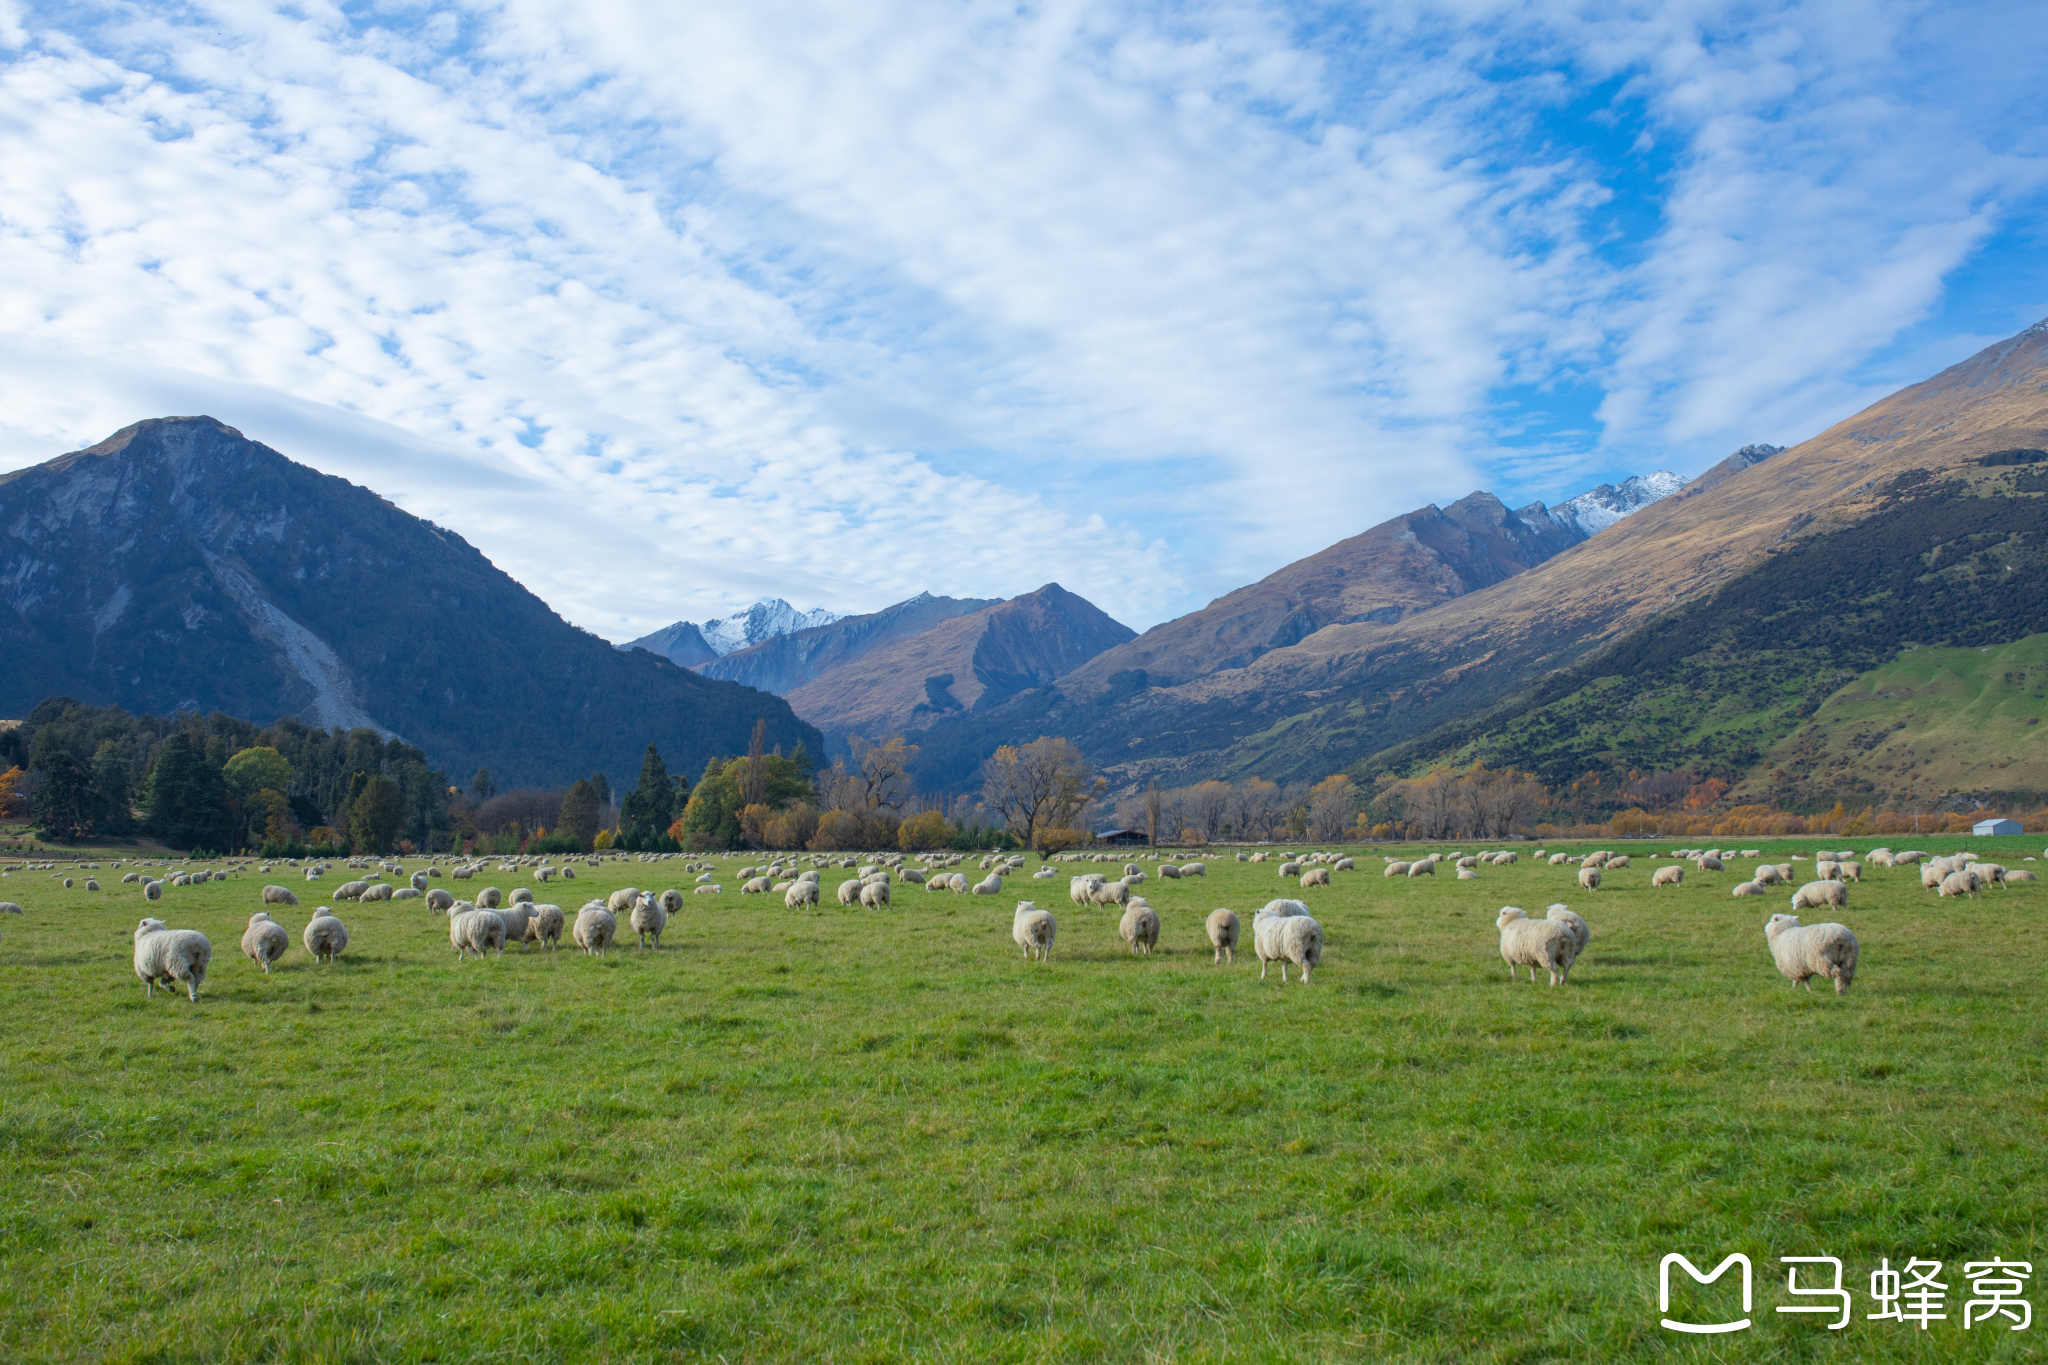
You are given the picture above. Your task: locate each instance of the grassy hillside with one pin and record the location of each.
(1720, 685)
(835, 1136)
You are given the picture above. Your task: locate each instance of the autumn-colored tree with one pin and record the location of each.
(923, 832)
(12, 807)
(1038, 785)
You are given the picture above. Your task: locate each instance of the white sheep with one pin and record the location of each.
(440, 900)
(544, 926)
(325, 936)
(1747, 889)
(799, 893)
(1570, 919)
(164, 954)
(1285, 938)
(1080, 889)
(1708, 863)
(349, 891)
(264, 941)
(595, 928)
(1169, 871)
(1223, 930)
(1194, 870)
(649, 918)
(1589, 880)
(671, 900)
(1814, 895)
(874, 895)
(1668, 876)
(1140, 927)
(1534, 943)
(1316, 876)
(1109, 893)
(991, 885)
(1803, 951)
(1959, 883)
(476, 931)
(1034, 930)
(1424, 868)
(278, 895)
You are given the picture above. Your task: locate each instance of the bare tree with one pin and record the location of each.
(754, 776)
(1332, 806)
(1037, 785)
(1204, 807)
(1254, 808)
(1152, 812)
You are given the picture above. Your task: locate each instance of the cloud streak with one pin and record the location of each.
(668, 307)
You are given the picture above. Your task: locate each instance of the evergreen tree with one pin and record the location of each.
(111, 812)
(188, 798)
(650, 808)
(64, 806)
(377, 815)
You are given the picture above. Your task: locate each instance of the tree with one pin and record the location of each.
(187, 797)
(1154, 805)
(251, 770)
(11, 804)
(1033, 786)
(1053, 839)
(377, 815)
(112, 811)
(1253, 809)
(1332, 808)
(1205, 807)
(651, 807)
(580, 815)
(923, 832)
(63, 804)
(483, 789)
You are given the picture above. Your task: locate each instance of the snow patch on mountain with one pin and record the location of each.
(766, 619)
(1597, 509)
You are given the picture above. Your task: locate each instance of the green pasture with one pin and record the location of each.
(832, 1135)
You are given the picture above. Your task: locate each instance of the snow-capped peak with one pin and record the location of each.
(767, 618)
(1597, 509)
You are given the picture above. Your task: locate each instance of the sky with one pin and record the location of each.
(667, 307)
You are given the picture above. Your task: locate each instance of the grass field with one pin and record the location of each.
(876, 1136)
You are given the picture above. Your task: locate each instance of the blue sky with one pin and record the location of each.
(667, 307)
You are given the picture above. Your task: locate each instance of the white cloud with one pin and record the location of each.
(845, 301)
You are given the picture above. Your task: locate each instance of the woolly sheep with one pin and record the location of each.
(1569, 918)
(849, 892)
(1169, 871)
(1194, 869)
(620, 902)
(874, 895)
(349, 891)
(166, 955)
(476, 931)
(1617, 861)
(1140, 927)
(1316, 876)
(1961, 883)
(325, 936)
(1034, 930)
(544, 926)
(799, 893)
(1466, 874)
(649, 918)
(1558, 859)
(1286, 938)
(1425, 868)
(1223, 930)
(1668, 876)
(520, 893)
(1079, 888)
(440, 900)
(2020, 876)
(264, 941)
(1988, 874)
(1589, 880)
(1708, 864)
(489, 898)
(1803, 951)
(419, 881)
(1747, 889)
(992, 885)
(1827, 869)
(152, 891)
(711, 890)
(379, 891)
(1545, 943)
(1814, 895)
(1767, 875)
(671, 900)
(1110, 893)
(1290, 869)
(911, 874)
(1395, 869)
(595, 927)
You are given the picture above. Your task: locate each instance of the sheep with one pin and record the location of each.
(1169, 871)
(1559, 859)
(672, 900)
(1316, 876)
(1290, 869)
(991, 885)
(1110, 893)
(1194, 870)
(710, 890)
(1827, 869)
(595, 928)
(1140, 926)
(325, 936)
(164, 954)
(1395, 869)
(799, 893)
(264, 941)
(379, 891)
(1668, 876)
(1295, 938)
(1988, 874)
(152, 891)
(544, 927)
(1962, 883)
(1546, 943)
(650, 917)
(1589, 880)
(1617, 861)
(520, 893)
(1034, 930)
(1803, 951)
(1814, 895)
(849, 892)
(2020, 876)
(1908, 858)
(1747, 889)
(1569, 918)
(874, 895)
(1708, 863)
(911, 874)
(419, 881)
(1079, 889)
(476, 931)
(620, 902)
(349, 891)
(1424, 868)
(1223, 930)
(489, 898)
(1767, 875)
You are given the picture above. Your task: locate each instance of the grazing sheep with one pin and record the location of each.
(1080, 888)
(1286, 938)
(476, 931)
(1814, 895)
(1988, 874)
(1708, 863)
(325, 935)
(2020, 876)
(1110, 893)
(799, 893)
(1767, 875)
(1395, 869)
(710, 890)
(595, 928)
(1533, 943)
(1140, 927)
(1960, 883)
(1169, 871)
(167, 955)
(379, 891)
(264, 941)
(1617, 861)
(1282, 908)
(1194, 870)
(544, 926)
(1668, 876)
(671, 900)
(520, 893)
(1827, 869)
(649, 918)
(874, 895)
(1569, 918)
(1803, 951)
(489, 898)
(1466, 874)
(152, 891)
(1034, 930)
(620, 902)
(1316, 876)
(1424, 868)
(911, 874)
(1223, 930)
(349, 891)
(1747, 889)
(991, 885)
(849, 892)
(1290, 869)
(419, 881)
(440, 900)
(1589, 880)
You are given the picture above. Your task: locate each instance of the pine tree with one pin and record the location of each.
(188, 798)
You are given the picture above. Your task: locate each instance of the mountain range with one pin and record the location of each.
(691, 645)
(179, 565)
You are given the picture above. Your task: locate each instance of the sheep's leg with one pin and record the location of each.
(1283, 971)
(1304, 973)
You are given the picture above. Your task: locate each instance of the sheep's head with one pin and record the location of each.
(1508, 915)
(149, 926)
(258, 917)
(1778, 924)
